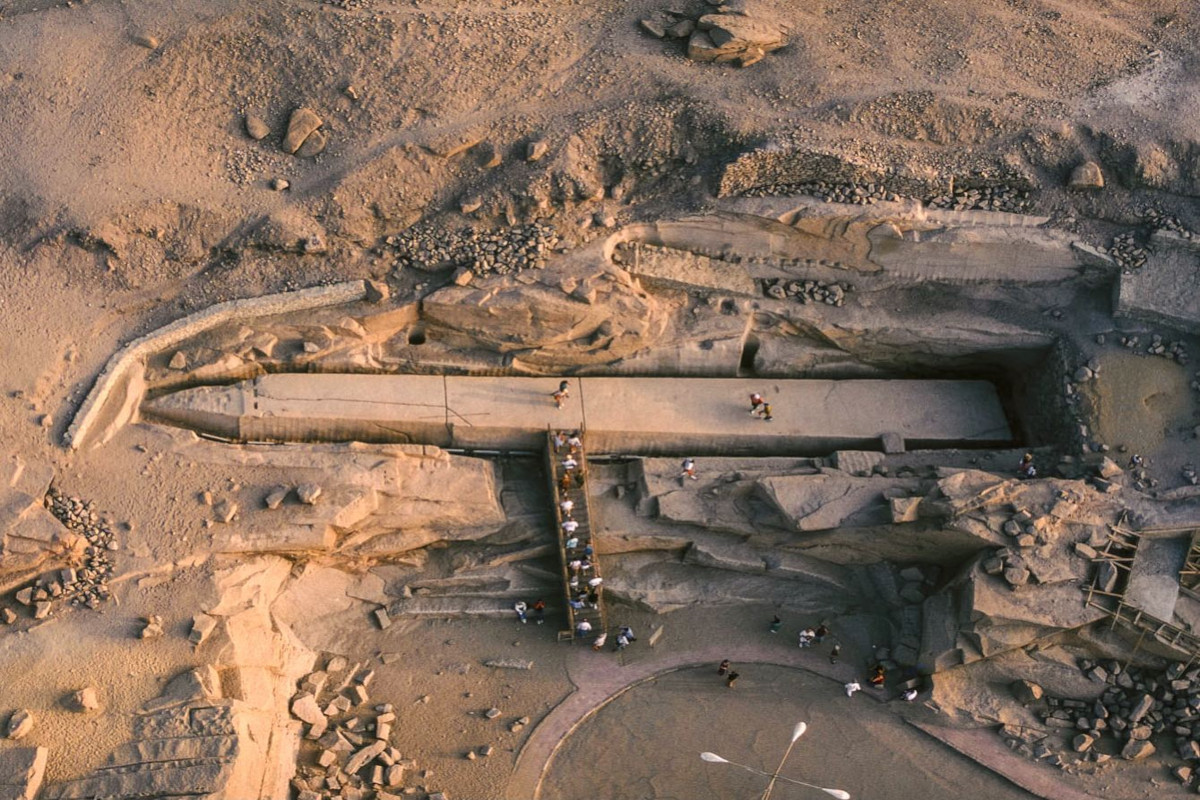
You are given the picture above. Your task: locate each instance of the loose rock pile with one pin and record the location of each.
(864, 194)
(734, 33)
(1166, 222)
(1176, 351)
(985, 198)
(88, 585)
(354, 756)
(809, 291)
(1138, 707)
(502, 252)
(1127, 252)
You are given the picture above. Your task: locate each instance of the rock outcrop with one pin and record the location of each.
(21, 772)
(31, 538)
(191, 741)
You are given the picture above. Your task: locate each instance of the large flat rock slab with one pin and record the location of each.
(649, 416)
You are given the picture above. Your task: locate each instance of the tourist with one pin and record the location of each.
(806, 637)
(689, 469)
(723, 667)
(622, 642)
(576, 603)
(564, 391)
(569, 463)
(572, 542)
(1026, 469)
(585, 565)
(574, 583)
(564, 484)
(877, 676)
(776, 624)
(756, 400)
(851, 688)
(560, 439)
(595, 582)
(909, 695)
(570, 526)
(567, 506)
(600, 640)
(574, 442)
(539, 610)
(583, 628)
(765, 413)
(820, 633)
(575, 566)
(593, 598)
(520, 607)
(588, 551)
(628, 632)
(834, 653)
(731, 679)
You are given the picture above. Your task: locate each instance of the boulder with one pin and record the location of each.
(202, 627)
(314, 145)
(536, 149)
(306, 709)
(1086, 176)
(308, 493)
(729, 37)
(256, 128)
(302, 124)
(1026, 691)
(20, 723)
(1083, 742)
(84, 700)
(1137, 749)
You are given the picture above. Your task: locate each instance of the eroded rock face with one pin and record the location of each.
(21, 772)
(190, 741)
(560, 321)
(738, 37)
(31, 538)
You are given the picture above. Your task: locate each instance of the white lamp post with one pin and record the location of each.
(797, 732)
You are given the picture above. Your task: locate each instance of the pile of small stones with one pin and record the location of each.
(808, 291)
(1137, 706)
(90, 586)
(1158, 346)
(985, 198)
(1166, 222)
(502, 252)
(859, 194)
(1128, 254)
(354, 752)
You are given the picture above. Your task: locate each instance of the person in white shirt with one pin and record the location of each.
(567, 506)
(584, 627)
(570, 525)
(851, 688)
(569, 463)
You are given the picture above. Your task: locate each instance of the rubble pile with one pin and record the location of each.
(809, 291)
(353, 756)
(87, 586)
(502, 252)
(1162, 221)
(1158, 346)
(858, 194)
(985, 198)
(1139, 707)
(1127, 252)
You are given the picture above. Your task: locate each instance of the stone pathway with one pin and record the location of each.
(600, 678)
